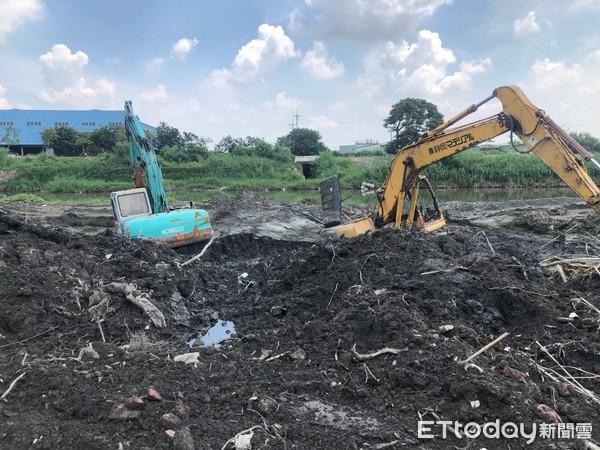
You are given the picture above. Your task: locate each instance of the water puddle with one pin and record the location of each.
(216, 334)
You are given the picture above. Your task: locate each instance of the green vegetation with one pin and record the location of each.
(108, 173)
(24, 198)
(474, 169)
(4, 159)
(253, 163)
(303, 142)
(466, 170)
(242, 171)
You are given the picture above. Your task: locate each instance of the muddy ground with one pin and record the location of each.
(337, 344)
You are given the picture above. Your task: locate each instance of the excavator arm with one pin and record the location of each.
(398, 196)
(146, 168)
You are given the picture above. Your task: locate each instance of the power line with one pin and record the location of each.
(341, 123)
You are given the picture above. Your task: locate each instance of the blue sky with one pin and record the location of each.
(243, 68)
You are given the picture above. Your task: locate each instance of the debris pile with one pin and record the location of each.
(337, 344)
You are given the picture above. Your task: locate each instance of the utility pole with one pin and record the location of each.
(295, 122)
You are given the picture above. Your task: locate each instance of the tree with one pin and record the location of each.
(105, 139)
(65, 141)
(196, 147)
(587, 141)
(48, 136)
(255, 146)
(11, 136)
(408, 119)
(82, 142)
(168, 136)
(303, 142)
(227, 144)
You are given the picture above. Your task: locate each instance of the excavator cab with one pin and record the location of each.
(134, 218)
(420, 208)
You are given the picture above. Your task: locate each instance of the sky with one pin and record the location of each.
(259, 67)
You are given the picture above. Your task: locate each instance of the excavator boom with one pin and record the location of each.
(146, 168)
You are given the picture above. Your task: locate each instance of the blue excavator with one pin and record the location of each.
(143, 213)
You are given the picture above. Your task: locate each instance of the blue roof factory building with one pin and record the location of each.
(30, 123)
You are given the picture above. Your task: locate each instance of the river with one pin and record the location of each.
(444, 195)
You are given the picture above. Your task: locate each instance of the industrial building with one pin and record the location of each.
(358, 147)
(29, 124)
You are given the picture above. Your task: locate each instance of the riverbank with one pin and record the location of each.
(39, 174)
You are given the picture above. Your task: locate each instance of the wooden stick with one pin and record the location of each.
(101, 332)
(489, 243)
(334, 291)
(30, 338)
(12, 385)
(569, 378)
(199, 255)
(485, 347)
(139, 299)
(381, 446)
(367, 356)
(451, 269)
(561, 272)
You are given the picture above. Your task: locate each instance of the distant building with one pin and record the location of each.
(367, 146)
(30, 123)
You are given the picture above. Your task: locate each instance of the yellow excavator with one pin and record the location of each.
(398, 199)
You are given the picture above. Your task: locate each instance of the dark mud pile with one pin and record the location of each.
(338, 345)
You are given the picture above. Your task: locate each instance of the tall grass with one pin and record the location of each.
(73, 174)
(466, 170)
(217, 171)
(478, 170)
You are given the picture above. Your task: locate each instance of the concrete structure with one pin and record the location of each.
(367, 146)
(307, 163)
(29, 123)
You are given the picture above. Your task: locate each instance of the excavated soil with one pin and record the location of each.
(83, 367)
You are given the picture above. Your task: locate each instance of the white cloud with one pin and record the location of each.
(158, 93)
(548, 75)
(461, 79)
(219, 80)
(282, 101)
(320, 65)
(423, 67)
(14, 13)
(427, 49)
(4, 103)
(526, 26)
(259, 56)
(581, 5)
(154, 65)
(568, 93)
(183, 47)
(372, 19)
(65, 81)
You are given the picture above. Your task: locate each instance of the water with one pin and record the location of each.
(216, 334)
(444, 195)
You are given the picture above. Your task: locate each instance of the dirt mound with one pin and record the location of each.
(81, 330)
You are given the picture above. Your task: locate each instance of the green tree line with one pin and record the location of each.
(175, 146)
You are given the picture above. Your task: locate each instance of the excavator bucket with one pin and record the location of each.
(331, 201)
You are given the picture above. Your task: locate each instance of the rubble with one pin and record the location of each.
(339, 344)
